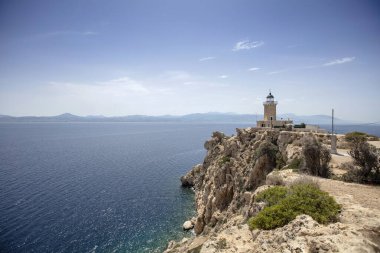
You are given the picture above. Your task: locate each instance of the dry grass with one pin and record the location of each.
(304, 179)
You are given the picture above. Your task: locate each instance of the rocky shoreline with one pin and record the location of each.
(236, 168)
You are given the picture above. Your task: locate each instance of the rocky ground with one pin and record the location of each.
(232, 174)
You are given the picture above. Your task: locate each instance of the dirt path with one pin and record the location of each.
(365, 195)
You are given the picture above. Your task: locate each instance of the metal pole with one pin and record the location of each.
(333, 137)
(332, 123)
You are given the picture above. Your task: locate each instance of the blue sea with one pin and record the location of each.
(99, 187)
(373, 129)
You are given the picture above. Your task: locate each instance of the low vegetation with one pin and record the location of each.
(274, 179)
(366, 165)
(269, 149)
(353, 137)
(285, 203)
(272, 196)
(306, 180)
(316, 158)
(295, 164)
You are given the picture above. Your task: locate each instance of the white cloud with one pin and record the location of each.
(207, 58)
(253, 69)
(223, 76)
(339, 61)
(246, 45)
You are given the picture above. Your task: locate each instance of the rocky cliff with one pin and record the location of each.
(234, 170)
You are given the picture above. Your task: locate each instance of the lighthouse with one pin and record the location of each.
(270, 120)
(270, 108)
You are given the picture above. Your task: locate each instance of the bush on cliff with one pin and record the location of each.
(269, 150)
(295, 164)
(284, 204)
(354, 137)
(316, 158)
(366, 165)
(272, 195)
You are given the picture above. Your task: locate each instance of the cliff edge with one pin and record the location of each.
(236, 168)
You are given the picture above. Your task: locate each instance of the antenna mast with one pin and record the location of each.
(333, 137)
(332, 122)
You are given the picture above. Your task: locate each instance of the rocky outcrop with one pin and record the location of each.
(304, 234)
(189, 179)
(358, 229)
(234, 171)
(230, 168)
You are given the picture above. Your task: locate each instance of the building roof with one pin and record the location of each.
(270, 95)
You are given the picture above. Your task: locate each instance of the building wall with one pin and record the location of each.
(270, 111)
(273, 123)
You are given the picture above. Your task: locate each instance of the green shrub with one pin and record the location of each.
(359, 136)
(298, 199)
(295, 164)
(308, 199)
(271, 217)
(272, 195)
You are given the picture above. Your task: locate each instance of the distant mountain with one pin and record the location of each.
(67, 116)
(195, 117)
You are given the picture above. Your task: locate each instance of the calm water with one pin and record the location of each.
(99, 187)
(341, 129)
(96, 187)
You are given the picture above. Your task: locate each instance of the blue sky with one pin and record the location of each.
(91, 57)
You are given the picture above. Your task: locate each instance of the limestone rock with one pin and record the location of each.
(196, 245)
(188, 225)
(226, 184)
(305, 235)
(189, 180)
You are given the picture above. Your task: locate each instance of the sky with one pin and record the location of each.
(158, 57)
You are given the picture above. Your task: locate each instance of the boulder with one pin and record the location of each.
(188, 225)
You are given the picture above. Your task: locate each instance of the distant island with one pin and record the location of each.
(209, 117)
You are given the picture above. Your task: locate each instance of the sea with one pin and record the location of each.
(101, 187)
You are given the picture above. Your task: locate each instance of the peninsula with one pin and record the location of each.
(231, 189)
